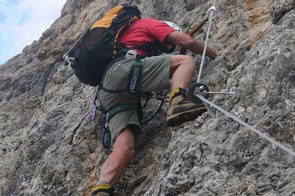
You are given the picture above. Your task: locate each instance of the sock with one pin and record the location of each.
(175, 92)
(103, 182)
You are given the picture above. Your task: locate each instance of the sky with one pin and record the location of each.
(23, 21)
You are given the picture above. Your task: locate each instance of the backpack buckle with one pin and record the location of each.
(130, 54)
(68, 60)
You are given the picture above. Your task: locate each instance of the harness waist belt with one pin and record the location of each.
(124, 107)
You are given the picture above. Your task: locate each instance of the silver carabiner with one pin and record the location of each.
(212, 8)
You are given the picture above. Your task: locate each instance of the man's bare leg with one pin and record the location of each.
(123, 152)
(181, 109)
(181, 71)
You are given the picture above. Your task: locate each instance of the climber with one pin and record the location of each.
(146, 37)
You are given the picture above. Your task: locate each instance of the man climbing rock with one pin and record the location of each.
(145, 37)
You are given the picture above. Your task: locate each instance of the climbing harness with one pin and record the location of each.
(198, 92)
(108, 115)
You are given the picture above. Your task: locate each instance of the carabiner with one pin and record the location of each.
(106, 134)
(106, 138)
(212, 8)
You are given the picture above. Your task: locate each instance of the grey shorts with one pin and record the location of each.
(155, 76)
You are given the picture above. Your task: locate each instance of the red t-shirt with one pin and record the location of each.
(146, 30)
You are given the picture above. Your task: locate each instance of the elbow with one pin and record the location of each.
(188, 43)
(185, 41)
(182, 40)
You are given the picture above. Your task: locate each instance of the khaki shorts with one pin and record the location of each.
(155, 76)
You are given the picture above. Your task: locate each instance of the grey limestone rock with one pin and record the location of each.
(50, 146)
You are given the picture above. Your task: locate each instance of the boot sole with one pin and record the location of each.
(179, 118)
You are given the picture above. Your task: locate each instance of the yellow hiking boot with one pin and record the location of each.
(181, 109)
(103, 190)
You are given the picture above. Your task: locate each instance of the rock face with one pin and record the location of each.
(50, 146)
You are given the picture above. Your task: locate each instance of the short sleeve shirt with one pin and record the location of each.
(146, 30)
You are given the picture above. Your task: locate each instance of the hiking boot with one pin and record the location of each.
(103, 190)
(181, 109)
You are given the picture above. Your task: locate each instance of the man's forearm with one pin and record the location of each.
(199, 48)
(190, 43)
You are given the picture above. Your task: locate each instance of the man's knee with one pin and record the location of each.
(125, 144)
(128, 151)
(178, 60)
(189, 60)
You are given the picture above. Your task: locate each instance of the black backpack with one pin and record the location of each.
(100, 43)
